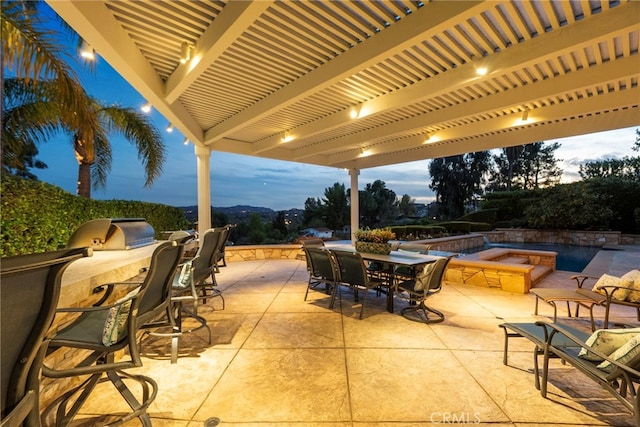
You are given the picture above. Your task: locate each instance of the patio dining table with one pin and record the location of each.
(393, 259)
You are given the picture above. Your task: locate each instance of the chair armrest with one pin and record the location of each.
(610, 289)
(581, 278)
(110, 287)
(95, 307)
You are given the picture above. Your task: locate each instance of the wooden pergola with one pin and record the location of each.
(356, 84)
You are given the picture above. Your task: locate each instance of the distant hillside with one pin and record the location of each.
(241, 213)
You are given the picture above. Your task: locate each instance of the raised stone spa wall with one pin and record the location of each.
(511, 270)
(454, 243)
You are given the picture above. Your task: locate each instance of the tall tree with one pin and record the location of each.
(457, 179)
(313, 215)
(539, 166)
(407, 205)
(279, 223)
(336, 206)
(378, 204)
(525, 167)
(626, 168)
(507, 164)
(257, 232)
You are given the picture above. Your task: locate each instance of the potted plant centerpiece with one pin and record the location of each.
(375, 241)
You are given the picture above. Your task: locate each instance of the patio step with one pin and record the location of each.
(514, 260)
(538, 273)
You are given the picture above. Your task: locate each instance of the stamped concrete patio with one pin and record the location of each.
(277, 360)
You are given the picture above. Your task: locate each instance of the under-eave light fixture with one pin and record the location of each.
(170, 128)
(481, 71)
(186, 141)
(287, 137)
(146, 107)
(525, 114)
(87, 52)
(185, 52)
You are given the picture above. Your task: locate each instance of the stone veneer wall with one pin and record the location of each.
(562, 237)
(257, 252)
(630, 239)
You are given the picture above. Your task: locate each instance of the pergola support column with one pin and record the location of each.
(355, 203)
(203, 155)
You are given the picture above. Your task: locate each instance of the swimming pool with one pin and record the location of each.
(570, 257)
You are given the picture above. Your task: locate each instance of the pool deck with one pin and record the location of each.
(277, 360)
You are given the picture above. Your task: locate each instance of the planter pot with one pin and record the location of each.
(373, 248)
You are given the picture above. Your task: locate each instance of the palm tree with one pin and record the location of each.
(45, 96)
(32, 113)
(93, 150)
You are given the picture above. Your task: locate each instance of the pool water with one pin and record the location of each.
(570, 258)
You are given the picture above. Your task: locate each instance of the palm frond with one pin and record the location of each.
(103, 156)
(138, 129)
(33, 52)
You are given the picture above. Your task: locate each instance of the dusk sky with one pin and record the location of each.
(245, 180)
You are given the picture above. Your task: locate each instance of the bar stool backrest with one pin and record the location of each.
(29, 293)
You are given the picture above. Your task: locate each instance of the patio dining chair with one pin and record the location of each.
(353, 272)
(29, 293)
(416, 291)
(322, 268)
(406, 272)
(101, 331)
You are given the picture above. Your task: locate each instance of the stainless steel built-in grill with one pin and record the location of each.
(106, 234)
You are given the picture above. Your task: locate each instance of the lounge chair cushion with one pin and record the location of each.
(116, 322)
(185, 276)
(633, 280)
(607, 341)
(608, 280)
(622, 355)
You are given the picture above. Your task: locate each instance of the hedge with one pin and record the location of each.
(417, 232)
(39, 217)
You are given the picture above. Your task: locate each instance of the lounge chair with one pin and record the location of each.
(617, 372)
(607, 291)
(538, 335)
